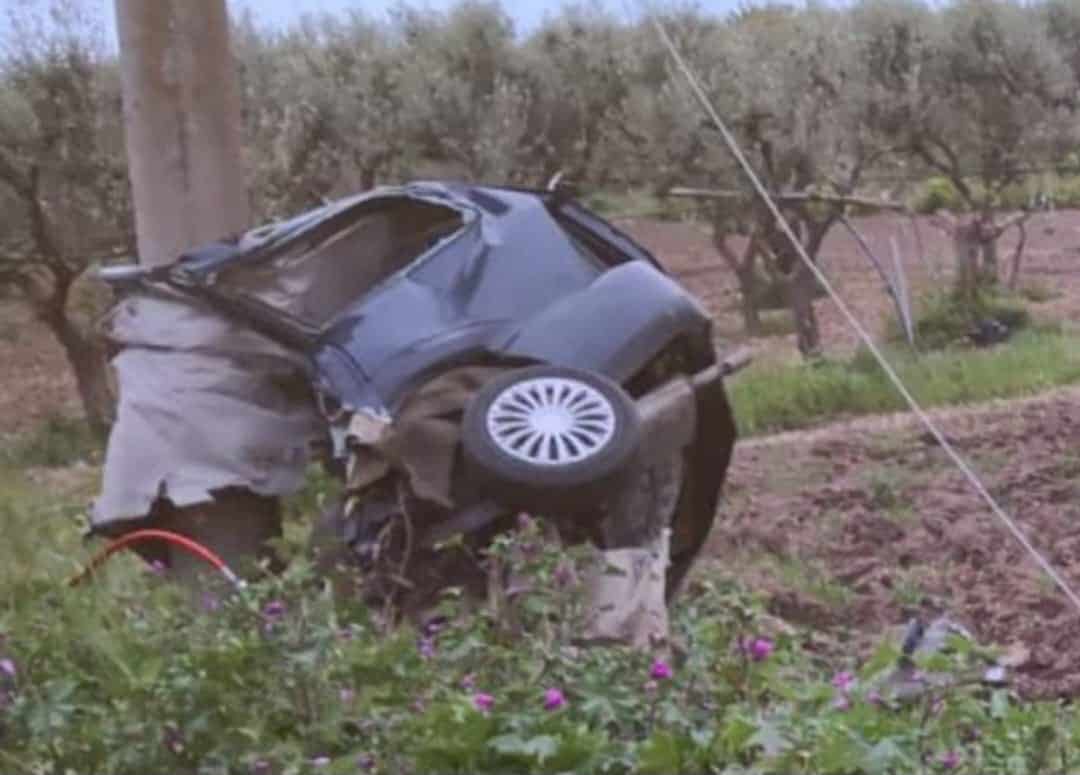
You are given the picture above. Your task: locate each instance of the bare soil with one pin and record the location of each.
(856, 527)
(36, 382)
(861, 526)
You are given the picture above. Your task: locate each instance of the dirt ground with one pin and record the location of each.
(36, 382)
(1052, 263)
(862, 525)
(854, 526)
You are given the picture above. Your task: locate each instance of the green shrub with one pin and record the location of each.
(283, 678)
(943, 319)
(637, 202)
(1066, 192)
(937, 193)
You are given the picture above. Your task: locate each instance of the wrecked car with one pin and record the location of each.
(455, 354)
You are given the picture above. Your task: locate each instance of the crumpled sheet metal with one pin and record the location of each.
(421, 440)
(625, 594)
(204, 405)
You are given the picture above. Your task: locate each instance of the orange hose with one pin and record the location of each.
(137, 536)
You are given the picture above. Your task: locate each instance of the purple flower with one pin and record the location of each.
(842, 702)
(554, 699)
(174, 740)
(7, 667)
(564, 575)
(275, 609)
(468, 682)
(843, 681)
(524, 521)
(661, 670)
(158, 568)
(435, 626)
(365, 762)
(426, 647)
(483, 702)
(873, 697)
(210, 602)
(320, 761)
(950, 760)
(758, 649)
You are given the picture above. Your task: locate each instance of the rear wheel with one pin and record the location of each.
(548, 437)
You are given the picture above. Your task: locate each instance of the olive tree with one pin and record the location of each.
(790, 85)
(465, 98)
(584, 64)
(323, 109)
(63, 180)
(976, 93)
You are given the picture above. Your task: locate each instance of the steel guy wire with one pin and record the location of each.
(733, 147)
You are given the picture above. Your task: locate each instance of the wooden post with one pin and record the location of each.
(182, 120)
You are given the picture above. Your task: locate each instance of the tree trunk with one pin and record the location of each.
(745, 268)
(801, 287)
(89, 364)
(967, 245)
(749, 291)
(1018, 256)
(988, 272)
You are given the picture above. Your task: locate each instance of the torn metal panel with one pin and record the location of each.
(204, 405)
(367, 326)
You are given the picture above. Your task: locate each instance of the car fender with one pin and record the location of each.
(615, 326)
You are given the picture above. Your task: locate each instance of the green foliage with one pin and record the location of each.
(1038, 293)
(636, 202)
(96, 680)
(936, 194)
(777, 323)
(59, 441)
(944, 320)
(787, 397)
(1066, 192)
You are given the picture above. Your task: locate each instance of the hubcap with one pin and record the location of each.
(551, 421)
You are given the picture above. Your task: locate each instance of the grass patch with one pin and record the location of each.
(942, 320)
(772, 398)
(58, 442)
(126, 675)
(938, 193)
(42, 528)
(809, 578)
(1037, 292)
(775, 323)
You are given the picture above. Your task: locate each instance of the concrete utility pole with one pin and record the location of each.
(182, 117)
(182, 125)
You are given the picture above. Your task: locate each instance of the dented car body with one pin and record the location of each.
(368, 302)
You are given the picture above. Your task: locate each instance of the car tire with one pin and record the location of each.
(550, 438)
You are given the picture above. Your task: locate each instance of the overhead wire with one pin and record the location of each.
(942, 440)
